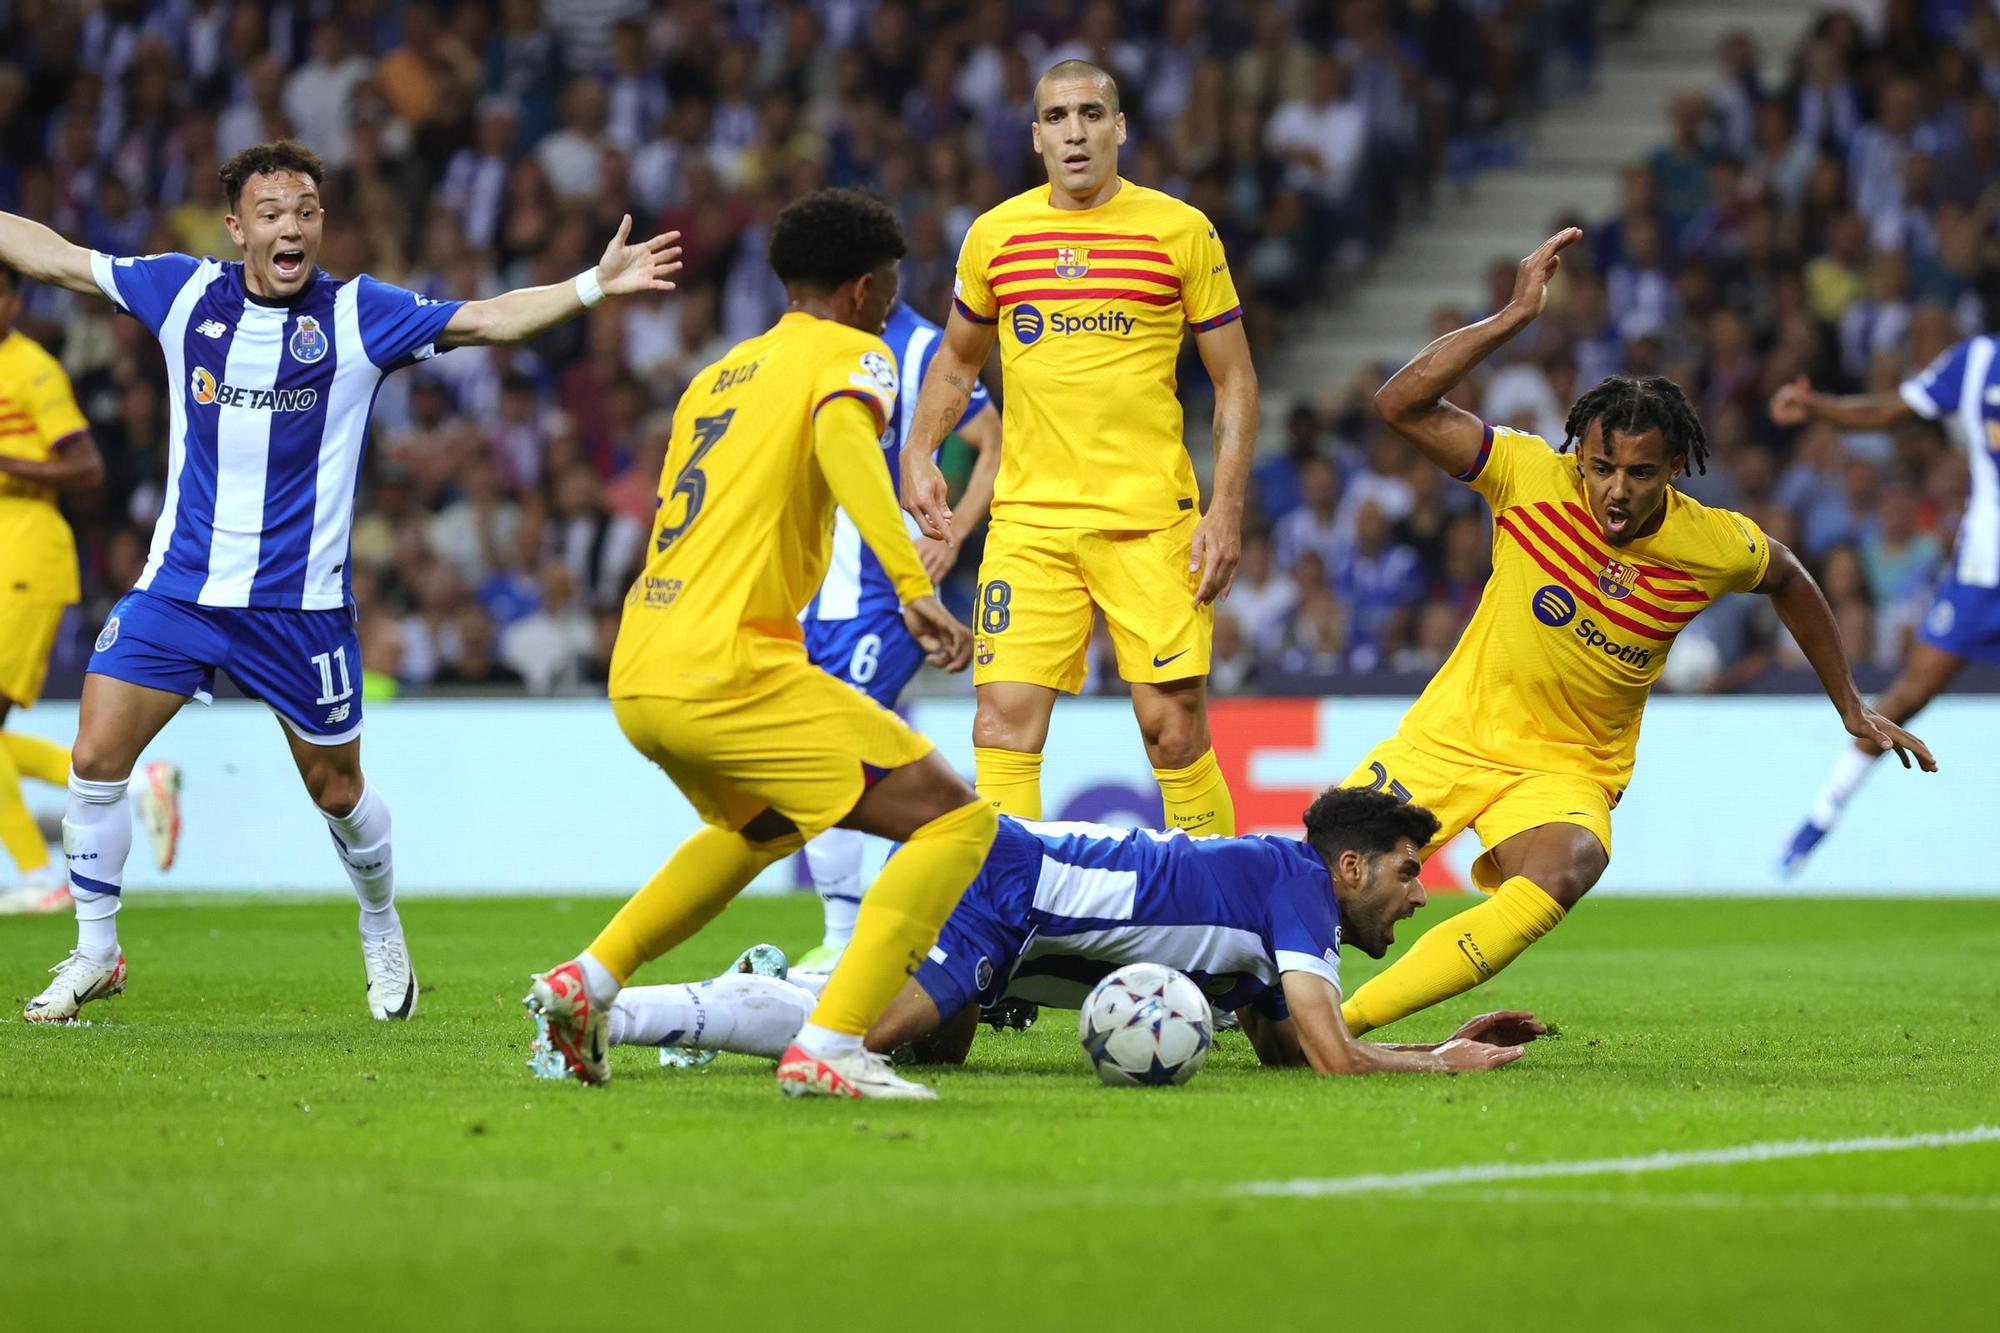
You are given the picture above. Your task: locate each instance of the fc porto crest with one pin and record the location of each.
(108, 636)
(308, 340)
(1617, 580)
(1072, 261)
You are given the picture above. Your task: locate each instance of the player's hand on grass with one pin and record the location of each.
(648, 266)
(1788, 404)
(946, 642)
(924, 495)
(1217, 546)
(1469, 1057)
(1508, 1027)
(1869, 725)
(1531, 279)
(938, 556)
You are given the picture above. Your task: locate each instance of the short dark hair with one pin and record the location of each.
(832, 237)
(1078, 69)
(1360, 819)
(1634, 403)
(11, 275)
(262, 159)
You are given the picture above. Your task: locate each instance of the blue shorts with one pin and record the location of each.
(305, 664)
(1964, 620)
(875, 654)
(982, 939)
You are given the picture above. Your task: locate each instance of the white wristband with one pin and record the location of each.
(588, 289)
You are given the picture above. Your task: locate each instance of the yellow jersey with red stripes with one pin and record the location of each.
(1090, 305)
(1553, 672)
(765, 442)
(37, 412)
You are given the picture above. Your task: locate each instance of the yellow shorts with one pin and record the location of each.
(1495, 803)
(1037, 587)
(803, 744)
(27, 635)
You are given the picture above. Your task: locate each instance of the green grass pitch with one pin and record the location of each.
(233, 1145)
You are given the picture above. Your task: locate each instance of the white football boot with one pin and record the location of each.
(392, 982)
(860, 1076)
(36, 894)
(160, 810)
(78, 981)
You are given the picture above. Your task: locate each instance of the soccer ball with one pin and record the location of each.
(1146, 1024)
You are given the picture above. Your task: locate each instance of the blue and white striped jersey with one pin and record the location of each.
(1961, 390)
(269, 407)
(855, 585)
(1232, 913)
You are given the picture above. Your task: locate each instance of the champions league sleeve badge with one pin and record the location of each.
(308, 340)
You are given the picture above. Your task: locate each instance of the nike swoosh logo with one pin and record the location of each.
(1162, 661)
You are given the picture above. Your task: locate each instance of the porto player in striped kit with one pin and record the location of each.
(272, 370)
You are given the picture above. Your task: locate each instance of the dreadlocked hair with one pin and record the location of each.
(1633, 403)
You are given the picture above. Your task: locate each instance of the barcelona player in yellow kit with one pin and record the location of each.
(711, 681)
(1090, 284)
(1527, 733)
(45, 447)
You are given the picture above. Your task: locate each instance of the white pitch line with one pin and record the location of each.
(1408, 1181)
(1943, 1203)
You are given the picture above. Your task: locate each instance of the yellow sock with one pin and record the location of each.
(1010, 781)
(18, 833)
(44, 761)
(1197, 798)
(683, 895)
(1455, 955)
(900, 916)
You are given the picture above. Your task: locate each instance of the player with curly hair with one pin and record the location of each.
(1527, 733)
(711, 680)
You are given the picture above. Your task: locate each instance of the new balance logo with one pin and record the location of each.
(211, 328)
(338, 715)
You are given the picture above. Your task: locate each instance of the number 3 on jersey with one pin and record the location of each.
(691, 482)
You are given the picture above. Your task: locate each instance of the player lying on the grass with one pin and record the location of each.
(710, 678)
(1256, 922)
(273, 366)
(1527, 732)
(1961, 392)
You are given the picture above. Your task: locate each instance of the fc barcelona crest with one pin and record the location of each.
(1617, 580)
(1072, 261)
(308, 340)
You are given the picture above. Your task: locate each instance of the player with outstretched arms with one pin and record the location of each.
(1527, 732)
(1961, 392)
(710, 678)
(1090, 283)
(272, 368)
(1256, 922)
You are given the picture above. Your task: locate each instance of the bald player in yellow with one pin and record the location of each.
(1090, 283)
(45, 448)
(711, 681)
(1527, 733)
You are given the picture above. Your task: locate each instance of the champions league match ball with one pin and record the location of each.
(1146, 1024)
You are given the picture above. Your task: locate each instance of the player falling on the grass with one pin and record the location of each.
(854, 626)
(1089, 282)
(272, 368)
(1256, 922)
(1527, 731)
(710, 678)
(1960, 391)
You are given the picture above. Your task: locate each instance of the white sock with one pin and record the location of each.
(1849, 772)
(598, 982)
(97, 837)
(749, 1015)
(361, 836)
(834, 858)
(826, 1043)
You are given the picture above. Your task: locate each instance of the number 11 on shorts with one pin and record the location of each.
(326, 663)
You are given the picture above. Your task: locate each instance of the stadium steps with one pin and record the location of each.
(1569, 165)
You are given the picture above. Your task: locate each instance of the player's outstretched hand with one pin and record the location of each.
(924, 495)
(1788, 404)
(938, 557)
(1870, 725)
(946, 642)
(1469, 1057)
(1531, 279)
(1217, 546)
(1508, 1027)
(648, 266)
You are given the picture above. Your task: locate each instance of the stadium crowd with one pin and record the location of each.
(1833, 225)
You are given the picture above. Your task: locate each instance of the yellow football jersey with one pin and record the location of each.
(37, 409)
(1091, 304)
(765, 443)
(1553, 672)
